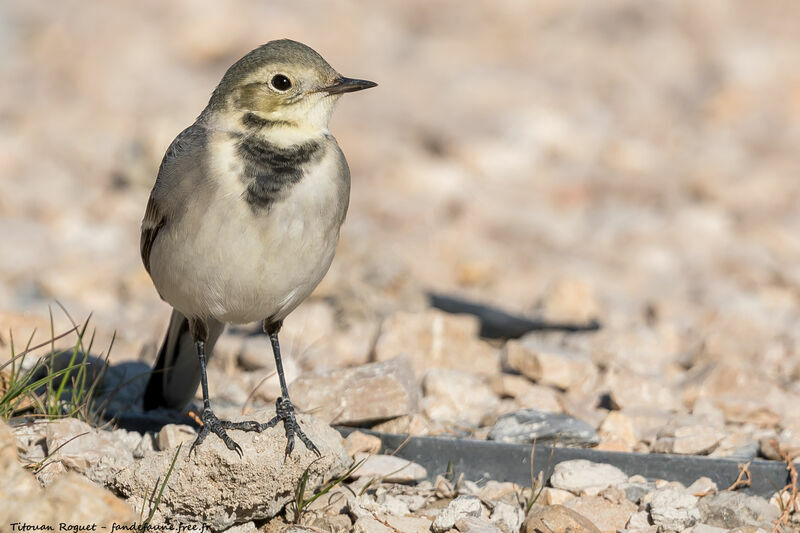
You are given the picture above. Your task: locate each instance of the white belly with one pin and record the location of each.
(223, 261)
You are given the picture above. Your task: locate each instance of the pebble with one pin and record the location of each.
(461, 507)
(526, 425)
(551, 365)
(388, 468)
(171, 435)
(434, 339)
(582, 476)
(357, 395)
(735, 509)
(674, 509)
(457, 397)
(557, 518)
(359, 442)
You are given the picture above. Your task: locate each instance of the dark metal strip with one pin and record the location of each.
(484, 460)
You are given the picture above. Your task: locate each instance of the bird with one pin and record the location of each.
(243, 220)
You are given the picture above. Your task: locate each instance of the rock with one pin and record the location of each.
(388, 468)
(70, 498)
(636, 490)
(333, 523)
(702, 486)
(146, 445)
(506, 516)
(8, 446)
(788, 441)
(630, 390)
(32, 441)
(171, 435)
(434, 339)
(557, 519)
(407, 524)
(495, 491)
(703, 528)
(457, 397)
(580, 475)
(736, 509)
(551, 365)
(79, 446)
(688, 435)
(617, 433)
(416, 424)
(216, 487)
(571, 301)
(553, 496)
(540, 398)
(367, 524)
(510, 385)
(673, 509)
(639, 520)
(743, 396)
(368, 393)
(474, 524)
(358, 442)
(607, 515)
(525, 425)
(461, 507)
(247, 527)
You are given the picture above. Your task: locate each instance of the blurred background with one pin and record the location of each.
(635, 162)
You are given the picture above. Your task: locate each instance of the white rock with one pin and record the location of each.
(580, 475)
(506, 516)
(461, 507)
(388, 468)
(674, 509)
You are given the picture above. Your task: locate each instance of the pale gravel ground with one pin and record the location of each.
(648, 152)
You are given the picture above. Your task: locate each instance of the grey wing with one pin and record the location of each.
(180, 162)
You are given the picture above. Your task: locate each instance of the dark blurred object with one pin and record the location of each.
(498, 324)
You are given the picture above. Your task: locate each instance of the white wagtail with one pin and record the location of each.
(244, 218)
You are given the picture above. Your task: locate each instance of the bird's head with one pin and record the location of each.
(282, 83)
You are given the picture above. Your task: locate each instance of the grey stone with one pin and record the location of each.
(216, 487)
(636, 491)
(735, 509)
(461, 507)
(525, 425)
(674, 509)
(581, 475)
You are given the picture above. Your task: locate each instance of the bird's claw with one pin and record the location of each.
(284, 411)
(212, 424)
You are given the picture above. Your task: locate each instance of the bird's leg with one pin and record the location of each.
(212, 424)
(284, 410)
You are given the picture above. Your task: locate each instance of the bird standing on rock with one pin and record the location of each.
(243, 220)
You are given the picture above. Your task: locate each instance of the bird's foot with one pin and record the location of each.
(284, 410)
(212, 424)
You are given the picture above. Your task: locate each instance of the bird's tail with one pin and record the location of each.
(176, 374)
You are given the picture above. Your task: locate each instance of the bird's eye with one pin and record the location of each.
(281, 83)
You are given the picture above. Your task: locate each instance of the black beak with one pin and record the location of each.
(347, 85)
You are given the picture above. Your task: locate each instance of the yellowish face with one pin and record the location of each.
(293, 94)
